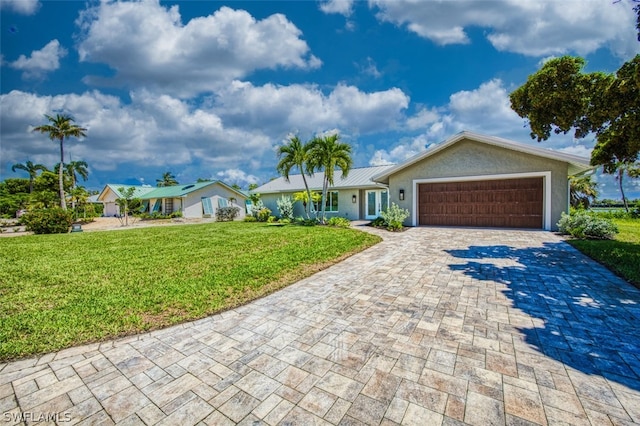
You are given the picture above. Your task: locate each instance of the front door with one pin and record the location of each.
(376, 201)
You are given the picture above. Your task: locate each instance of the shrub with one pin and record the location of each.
(175, 215)
(256, 207)
(227, 214)
(394, 216)
(306, 222)
(263, 214)
(285, 207)
(339, 222)
(378, 222)
(250, 219)
(48, 221)
(285, 221)
(583, 225)
(272, 219)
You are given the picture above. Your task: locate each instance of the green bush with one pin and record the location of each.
(263, 214)
(175, 214)
(394, 217)
(48, 221)
(306, 222)
(272, 219)
(582, 224)
(250, 219)
(339, 222)
(227, 214)
(377, 222)
(285, 207)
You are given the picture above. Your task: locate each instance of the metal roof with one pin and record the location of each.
(577, 164)
(357, 178)
(146, 192)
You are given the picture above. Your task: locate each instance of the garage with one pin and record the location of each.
(482, 181)
(505, 203)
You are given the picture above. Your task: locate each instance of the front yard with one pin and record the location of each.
(621, 255)
(63, 290)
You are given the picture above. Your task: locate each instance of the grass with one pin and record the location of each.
(621, 255)
(64, 290)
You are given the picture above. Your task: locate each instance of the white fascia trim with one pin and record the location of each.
(546, 187)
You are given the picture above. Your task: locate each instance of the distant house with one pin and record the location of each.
(195, 200)
(468, 180)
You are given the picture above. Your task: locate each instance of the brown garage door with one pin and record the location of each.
(509, 203)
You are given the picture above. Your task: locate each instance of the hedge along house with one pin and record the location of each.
(484, 181)
(196, 200)
(353, 197)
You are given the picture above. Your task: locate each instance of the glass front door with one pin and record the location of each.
(377, 200)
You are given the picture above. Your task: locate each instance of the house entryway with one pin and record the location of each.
(376, 201)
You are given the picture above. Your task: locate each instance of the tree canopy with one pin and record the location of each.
(561, 97)
(61, 127)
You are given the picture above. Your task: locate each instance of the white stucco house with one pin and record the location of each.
(195, 200)
(468, 180)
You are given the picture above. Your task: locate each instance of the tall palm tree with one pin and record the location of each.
(73, 169)
(61, 126)
(295, 154)
(168, 179)
(30, 168)
(329, 153)
(583, 191)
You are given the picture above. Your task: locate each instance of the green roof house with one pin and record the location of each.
(194, 200)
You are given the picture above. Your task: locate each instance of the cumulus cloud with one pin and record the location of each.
(217, 133)
(23, 7)
(486, 110)
(148, 45)
(41, 61)
(237, 177)
(305, 108)
(535, 28)
(342, 7)
(151, 131)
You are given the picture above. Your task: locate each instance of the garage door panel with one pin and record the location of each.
(515, 203)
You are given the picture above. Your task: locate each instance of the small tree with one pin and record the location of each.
(126, 203)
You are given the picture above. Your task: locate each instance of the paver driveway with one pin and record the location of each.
(431, 326)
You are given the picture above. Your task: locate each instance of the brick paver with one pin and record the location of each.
(432, 326)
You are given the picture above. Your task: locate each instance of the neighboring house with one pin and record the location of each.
(195, 200)
(354, 197)
(467, 180)
(484, 181)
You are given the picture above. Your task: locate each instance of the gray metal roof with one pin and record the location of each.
(357, 178)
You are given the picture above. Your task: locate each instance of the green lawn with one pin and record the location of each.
(621, 255)
(63, 290)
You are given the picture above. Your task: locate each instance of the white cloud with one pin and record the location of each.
(484, 110)
(41, 61)
(151, 131)
(280, 109)
(23, 7)
(342, 7)
(148, 46)
(535, 28)
(238, 177)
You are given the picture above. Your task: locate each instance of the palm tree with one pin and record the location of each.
(295, 154)
(329, 153)
(73, 169)
(583, 191)
(61, 126)
(168, 179)
(30, 168)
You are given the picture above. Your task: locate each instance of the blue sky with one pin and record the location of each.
(210, 89)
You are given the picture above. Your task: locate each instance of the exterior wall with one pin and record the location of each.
(346, 207)
(469, 158)
(192, 204)
(109, 202)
